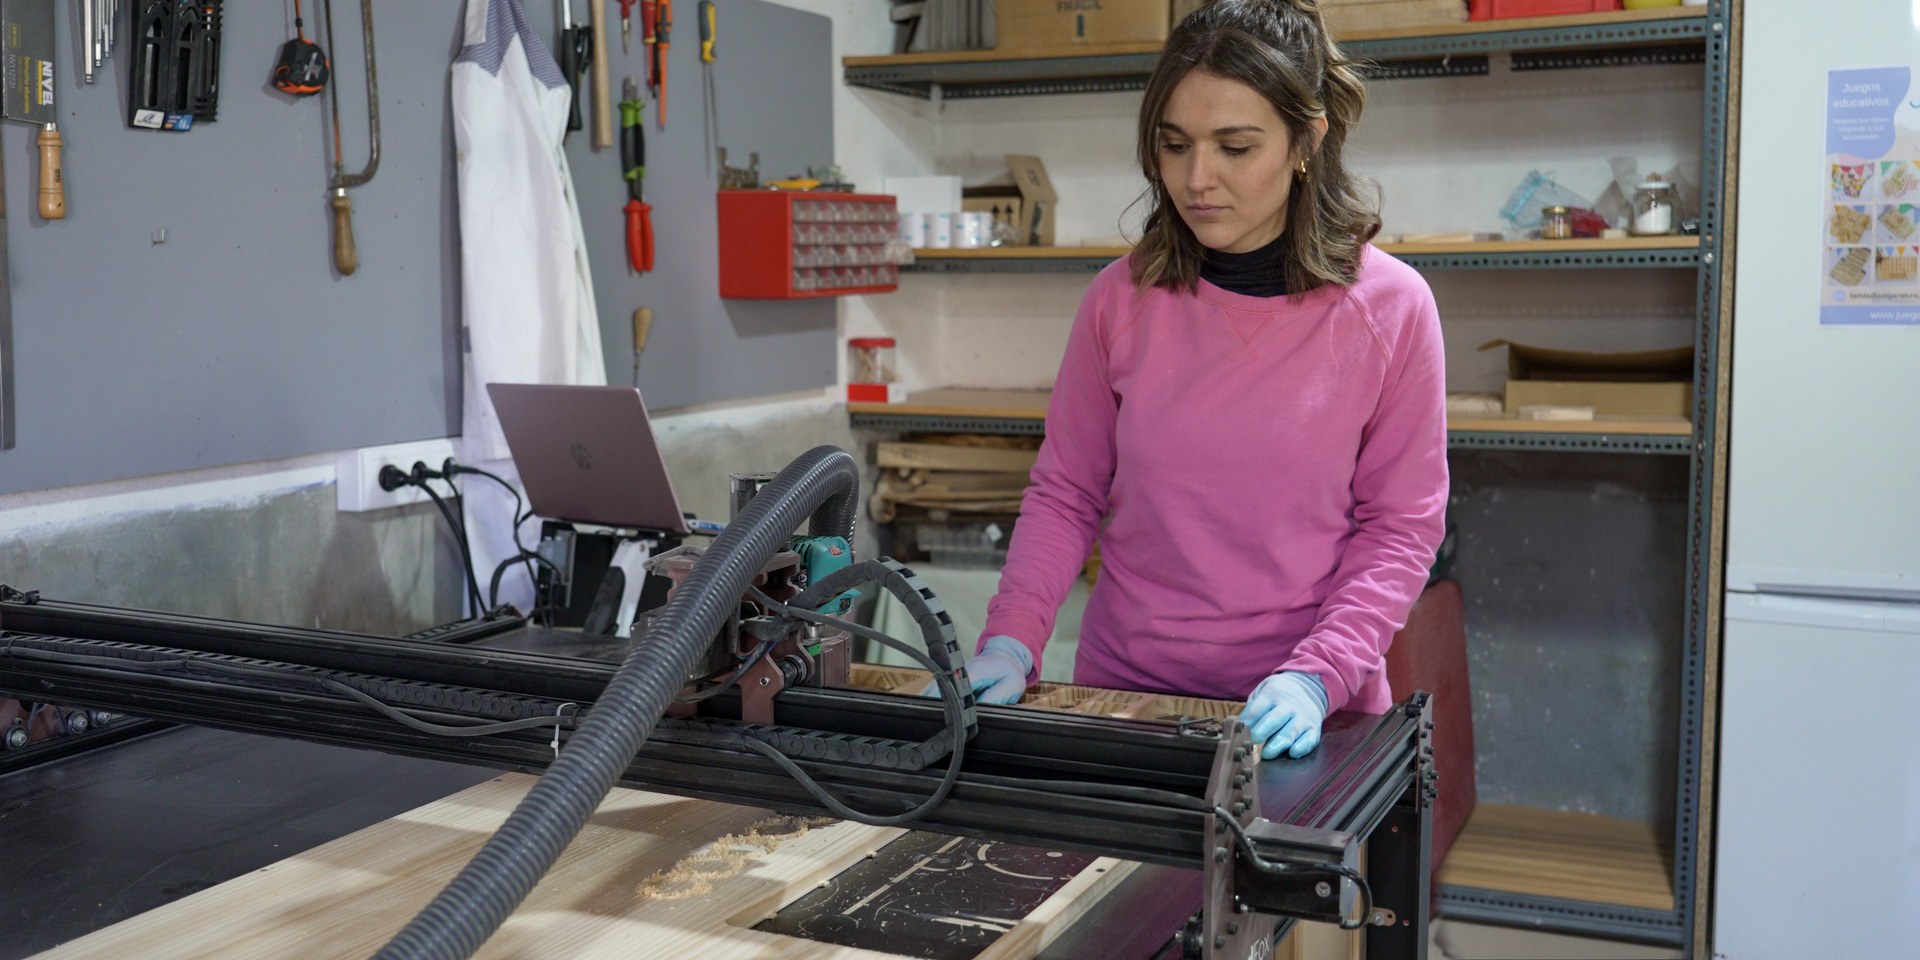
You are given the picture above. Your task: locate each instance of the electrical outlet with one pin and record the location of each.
(358, 473)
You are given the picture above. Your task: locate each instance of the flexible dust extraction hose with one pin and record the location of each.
(823, 484)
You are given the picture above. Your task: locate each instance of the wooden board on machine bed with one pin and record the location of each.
(1071, 698)
(345, 898)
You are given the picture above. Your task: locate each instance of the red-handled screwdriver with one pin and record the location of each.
(633, 163)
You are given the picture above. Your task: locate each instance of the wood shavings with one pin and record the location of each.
(727, 856)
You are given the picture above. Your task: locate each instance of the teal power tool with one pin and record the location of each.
(822, 557)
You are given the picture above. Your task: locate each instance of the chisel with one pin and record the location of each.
(642, 326)
(6, 328)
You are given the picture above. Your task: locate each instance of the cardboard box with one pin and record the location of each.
(1037, 201)
(1650, 384)
(1033, 24)
(1354, 16)
(1025, 206)
(1005, 203)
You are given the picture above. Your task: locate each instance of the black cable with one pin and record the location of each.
(493, 588)
(758, 654)
(1268, 866)
(460, 539)
(493, 596)
(1105, 791)
(449, 730)
(950, 702)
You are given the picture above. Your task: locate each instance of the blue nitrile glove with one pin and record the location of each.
(1285, 713)
(1000, 669)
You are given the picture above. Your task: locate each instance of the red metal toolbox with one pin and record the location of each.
(790, 244)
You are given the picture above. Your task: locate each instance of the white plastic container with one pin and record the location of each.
(940, 230)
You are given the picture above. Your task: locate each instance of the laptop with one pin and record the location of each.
(587, 455)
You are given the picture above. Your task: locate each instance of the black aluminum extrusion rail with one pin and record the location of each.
(260, 679)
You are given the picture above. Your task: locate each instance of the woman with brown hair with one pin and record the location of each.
(1253, 403)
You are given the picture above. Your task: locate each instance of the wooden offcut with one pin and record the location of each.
(343, 900)
(935, 456)
(1572, 856)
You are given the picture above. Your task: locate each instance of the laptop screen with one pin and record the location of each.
(587, 455)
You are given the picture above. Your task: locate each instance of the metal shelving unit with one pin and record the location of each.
(1661, 35)
(1633, 252)
(1703, 35)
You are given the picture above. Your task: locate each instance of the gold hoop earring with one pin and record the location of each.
(1304, 176)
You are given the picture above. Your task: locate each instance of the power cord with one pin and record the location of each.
(393, 478)
(521, 514)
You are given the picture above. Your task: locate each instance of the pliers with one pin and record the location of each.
(633, 163)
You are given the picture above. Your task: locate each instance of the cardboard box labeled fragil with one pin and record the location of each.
(1355, 16)
(1034, 24)
(1654, 384)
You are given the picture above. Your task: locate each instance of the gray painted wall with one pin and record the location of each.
(1572, 568)
(233, 341)
(285, 559)
(774, 77)
(289, 558)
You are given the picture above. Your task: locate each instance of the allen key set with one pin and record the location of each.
(98, 19)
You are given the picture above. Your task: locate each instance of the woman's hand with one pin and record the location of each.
(1000, 669)
(1285, 712)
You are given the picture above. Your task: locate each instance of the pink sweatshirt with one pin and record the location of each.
(1275, 474)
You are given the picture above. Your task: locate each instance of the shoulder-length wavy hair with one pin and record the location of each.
(1281, 49)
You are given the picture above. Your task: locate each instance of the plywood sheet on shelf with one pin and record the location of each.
(1389, 33)
(1573, 856)
(343, 900)
(1664, 427)
(998, 404)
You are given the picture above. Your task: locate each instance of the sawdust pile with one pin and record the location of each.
(726, 857)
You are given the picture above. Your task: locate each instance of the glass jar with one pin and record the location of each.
(1556, 223)
(870, 360)
(1653, 208)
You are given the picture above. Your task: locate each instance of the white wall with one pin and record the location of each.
(1446, 152)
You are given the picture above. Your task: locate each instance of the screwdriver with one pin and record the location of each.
(626, 27)
(711, 121)
(633, 164)
(660, 30)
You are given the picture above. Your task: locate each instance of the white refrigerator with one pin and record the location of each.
(1817, 850)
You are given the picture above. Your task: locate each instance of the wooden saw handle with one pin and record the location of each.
(642, 326)
(53, 183)
(346, 258)
(602, 81)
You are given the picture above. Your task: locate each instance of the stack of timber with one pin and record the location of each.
(940, 475)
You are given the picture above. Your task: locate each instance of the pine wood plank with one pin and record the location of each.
(1674, 427)
(1020, 253)
(1545, 246)
(940, 456)
(1575, 856)
(1393, 33)
(344, 899)
(1679, 242)
(997, 404)
(1032, 405)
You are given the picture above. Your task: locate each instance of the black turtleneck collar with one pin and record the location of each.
(1256, 273)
